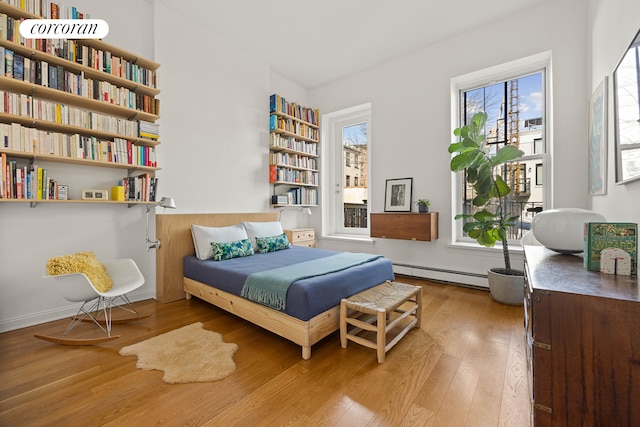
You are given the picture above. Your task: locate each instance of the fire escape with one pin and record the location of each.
(518, 186)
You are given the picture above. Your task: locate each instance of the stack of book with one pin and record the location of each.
(26, 106)
(148, 130)
(25, 181)
(71, 50)
(280, 105)
(141, 188)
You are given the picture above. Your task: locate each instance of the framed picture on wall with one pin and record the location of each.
(397, 196)
(598, 140)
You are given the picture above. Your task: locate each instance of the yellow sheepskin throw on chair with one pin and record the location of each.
(81, 262)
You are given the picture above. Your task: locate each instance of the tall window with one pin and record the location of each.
(347, 200)
(515, 104)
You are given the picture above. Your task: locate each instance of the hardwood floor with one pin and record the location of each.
(465, 366)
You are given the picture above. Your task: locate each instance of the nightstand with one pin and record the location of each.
(302, 237)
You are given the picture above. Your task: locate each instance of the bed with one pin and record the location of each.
(180, 274)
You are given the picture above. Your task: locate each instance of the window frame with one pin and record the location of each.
(332, 167)
(532, 64)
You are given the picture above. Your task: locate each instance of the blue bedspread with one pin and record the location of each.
(270, 287)
(306, 298)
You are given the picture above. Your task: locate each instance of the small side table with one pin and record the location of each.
(302, 237)
(379, 310)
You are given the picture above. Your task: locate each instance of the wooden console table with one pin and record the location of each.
(583, 336)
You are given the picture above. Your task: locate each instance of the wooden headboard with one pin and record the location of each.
(174, 233)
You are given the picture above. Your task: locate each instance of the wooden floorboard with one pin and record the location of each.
(465, 366)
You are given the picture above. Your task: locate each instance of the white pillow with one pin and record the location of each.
(262, 229)
(204, 236)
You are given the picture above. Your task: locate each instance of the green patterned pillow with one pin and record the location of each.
(273, 243)
(228, 250)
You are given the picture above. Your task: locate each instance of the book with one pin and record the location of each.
(3, 174)
(273, 173)
(3, 26)
(44, 73)
(18, 67)
(27, 70)
(602, 235)
(8, 62)
(53, 77)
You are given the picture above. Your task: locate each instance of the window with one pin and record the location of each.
(539, 174)
(346, 172)
(538, 147)
(522, 185)
(514, 98)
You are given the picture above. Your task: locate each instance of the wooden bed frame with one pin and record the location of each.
(174, 233)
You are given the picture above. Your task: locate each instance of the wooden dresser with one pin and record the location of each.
(405, 225)
(583, 342)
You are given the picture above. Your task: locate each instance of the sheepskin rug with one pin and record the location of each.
(81, 262)
(186, 355)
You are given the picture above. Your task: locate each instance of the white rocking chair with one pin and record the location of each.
(77, 287)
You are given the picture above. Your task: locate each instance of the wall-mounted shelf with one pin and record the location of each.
(34, 202)
(294, 134)
(84, 162)
(65, 128)
(94, 43)
(405, 226)
(88, 72)
(47, 93)
(77, 102)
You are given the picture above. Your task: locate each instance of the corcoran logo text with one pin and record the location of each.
(64, 28)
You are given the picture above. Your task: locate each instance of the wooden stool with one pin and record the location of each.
(376, 305)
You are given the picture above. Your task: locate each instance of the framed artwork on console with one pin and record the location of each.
(397, 197)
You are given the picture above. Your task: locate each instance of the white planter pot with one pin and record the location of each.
(506, 288)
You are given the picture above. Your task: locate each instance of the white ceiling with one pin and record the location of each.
(316, 42)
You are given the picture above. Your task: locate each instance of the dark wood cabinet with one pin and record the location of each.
(583, 342)
(405, 225)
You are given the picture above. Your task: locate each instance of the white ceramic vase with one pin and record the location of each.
(562, 230)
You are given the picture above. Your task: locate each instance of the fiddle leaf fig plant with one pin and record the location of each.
(472, 153)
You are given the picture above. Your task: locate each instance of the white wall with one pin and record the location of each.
(215, 110)
(411, 122)
(30, 236)
(614, 24)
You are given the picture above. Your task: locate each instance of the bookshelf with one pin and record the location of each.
(294, 137)
(82, 103)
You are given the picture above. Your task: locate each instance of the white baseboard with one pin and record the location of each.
(58, 313)
(442, 275)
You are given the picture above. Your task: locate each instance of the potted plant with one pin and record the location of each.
(489, 223)
(423, 205)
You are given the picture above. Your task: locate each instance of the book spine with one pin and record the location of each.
(8, 62)
(3, 177)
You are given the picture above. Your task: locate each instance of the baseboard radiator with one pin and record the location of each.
(462, 278)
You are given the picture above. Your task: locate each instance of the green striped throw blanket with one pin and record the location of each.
(270, 287)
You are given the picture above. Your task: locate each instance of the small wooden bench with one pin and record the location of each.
(378, 310)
